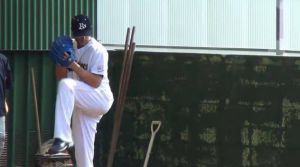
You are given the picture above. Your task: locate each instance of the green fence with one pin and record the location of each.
(216, 111)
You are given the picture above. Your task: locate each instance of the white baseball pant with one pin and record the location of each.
(87, 105)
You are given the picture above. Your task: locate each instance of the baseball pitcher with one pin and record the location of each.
(84, 93)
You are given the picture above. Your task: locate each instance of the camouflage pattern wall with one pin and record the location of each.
(216, 111)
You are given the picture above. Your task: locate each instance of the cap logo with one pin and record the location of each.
(82, 26)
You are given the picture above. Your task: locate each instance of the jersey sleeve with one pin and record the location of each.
(99, 63)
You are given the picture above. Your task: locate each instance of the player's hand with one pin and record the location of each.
(66, 57)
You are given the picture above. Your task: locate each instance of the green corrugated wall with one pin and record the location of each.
(23, 135)
(33, 24)
(27, 29)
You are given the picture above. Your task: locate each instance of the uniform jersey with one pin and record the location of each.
(93, 57)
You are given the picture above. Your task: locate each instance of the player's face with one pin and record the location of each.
(81, 41)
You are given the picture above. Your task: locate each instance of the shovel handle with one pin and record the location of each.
(155, 125)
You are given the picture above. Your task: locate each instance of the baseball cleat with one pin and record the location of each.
(58, 146)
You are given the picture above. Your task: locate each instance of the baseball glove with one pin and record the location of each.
(62, 51)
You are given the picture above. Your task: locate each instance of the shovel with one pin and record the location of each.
(155, 125)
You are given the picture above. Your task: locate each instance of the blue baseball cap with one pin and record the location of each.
(81, 26)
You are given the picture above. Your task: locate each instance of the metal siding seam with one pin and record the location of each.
(69, 17)
(52, 20)
(62, 17)
(11, 27)
(80, 6)
(5, 25)
(93, 6)
(41, 28)
(58, 21)
(86, 8)
(17, 26)
(28, 17)
(75, 7)
(22, 45)
(35, 15)
(46, 38)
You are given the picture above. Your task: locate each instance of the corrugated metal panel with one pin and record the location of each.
(23, 131)
(33, 24)
(190, 23)
(242, 24)
(187, 23)
(291, 33)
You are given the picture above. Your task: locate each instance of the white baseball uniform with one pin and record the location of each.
(82, 103)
